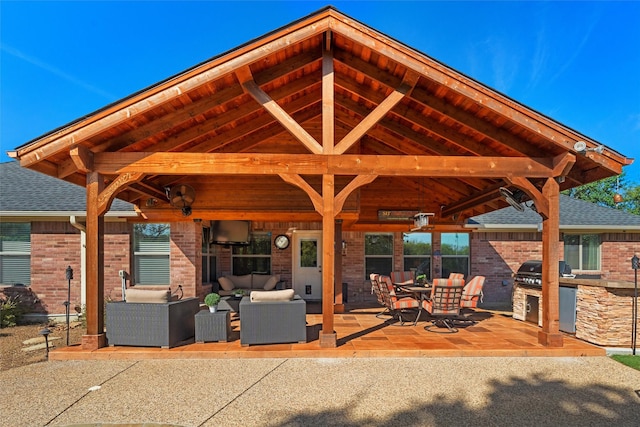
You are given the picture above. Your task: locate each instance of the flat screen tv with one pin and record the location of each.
(230, 232)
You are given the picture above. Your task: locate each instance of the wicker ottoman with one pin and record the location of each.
(213, 326)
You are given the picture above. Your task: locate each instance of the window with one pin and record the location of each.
(378, 254)
(151, 250)
(254, 257)
(417, 253)
(209, 253)
(582, 251)
(455, 253)
(15, 253)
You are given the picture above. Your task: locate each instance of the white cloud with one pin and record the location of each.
(53, 70)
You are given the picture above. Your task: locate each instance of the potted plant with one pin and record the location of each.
(238, 293)
(212, 300)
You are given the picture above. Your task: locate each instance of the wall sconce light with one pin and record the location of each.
(344, 248)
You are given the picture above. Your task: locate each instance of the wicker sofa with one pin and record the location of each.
(273, 317)
(247, 282)
(151, 320)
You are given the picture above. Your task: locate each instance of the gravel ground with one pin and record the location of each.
(543, 391)
(12, 343)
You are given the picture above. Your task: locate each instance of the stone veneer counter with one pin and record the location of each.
(603, 309)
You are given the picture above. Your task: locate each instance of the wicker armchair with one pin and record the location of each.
(273, 322)
(144, 324)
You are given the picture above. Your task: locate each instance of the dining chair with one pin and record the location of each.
(402, 276)
(375, 289)
(472, 293)
(444, 304)
(398, 304)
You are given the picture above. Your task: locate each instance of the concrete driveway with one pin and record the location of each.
(487, 391)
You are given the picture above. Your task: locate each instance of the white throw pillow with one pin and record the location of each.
(283, 295)
(271, 283)
(226, 283)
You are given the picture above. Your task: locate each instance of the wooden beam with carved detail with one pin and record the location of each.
(109, 193)
(299, 182)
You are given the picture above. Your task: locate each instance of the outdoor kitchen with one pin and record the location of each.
(595, 310)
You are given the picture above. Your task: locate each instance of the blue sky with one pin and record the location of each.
(577, 62)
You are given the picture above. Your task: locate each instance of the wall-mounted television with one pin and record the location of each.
(230, 232)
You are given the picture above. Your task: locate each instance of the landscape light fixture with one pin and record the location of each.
(635, 261)
(45, 332)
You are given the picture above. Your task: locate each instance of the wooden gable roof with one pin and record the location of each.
(254, 130)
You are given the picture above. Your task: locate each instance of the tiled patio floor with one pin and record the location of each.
(361, 334)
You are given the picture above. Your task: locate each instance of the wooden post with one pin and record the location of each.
(550, 334)
(337, 250)
(328, 335)
(95, 337)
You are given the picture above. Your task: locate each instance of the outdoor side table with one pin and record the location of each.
(213, 326)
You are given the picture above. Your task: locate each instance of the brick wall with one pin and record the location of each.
(617, 251)
(496, 256)
(57, 245)
(186, 258)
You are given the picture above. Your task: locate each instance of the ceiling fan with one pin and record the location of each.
(182, 197)
(513, 198)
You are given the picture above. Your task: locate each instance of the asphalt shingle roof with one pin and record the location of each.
(25, 190)
(573, 212)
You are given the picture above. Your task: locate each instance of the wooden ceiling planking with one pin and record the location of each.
(247, 141)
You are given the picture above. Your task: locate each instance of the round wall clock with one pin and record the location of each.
(281, 241)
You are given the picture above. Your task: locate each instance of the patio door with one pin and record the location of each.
(307, 264)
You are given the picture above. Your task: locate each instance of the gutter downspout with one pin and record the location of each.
(83, 258)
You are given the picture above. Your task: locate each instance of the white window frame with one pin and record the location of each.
(158, 255)
(12, 252)
(265, 235)
(467, 255)
(377, 256)
(580, 237)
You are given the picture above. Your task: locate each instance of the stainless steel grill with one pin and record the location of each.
(530, 272)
